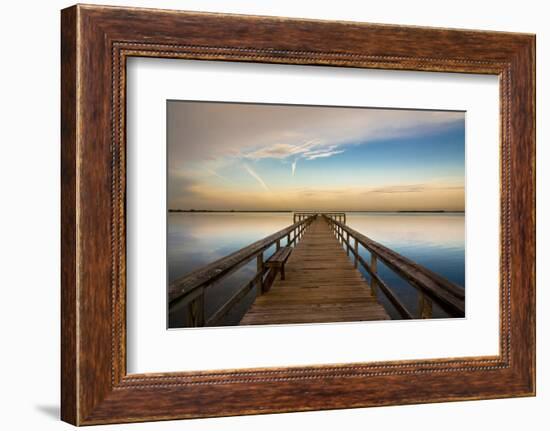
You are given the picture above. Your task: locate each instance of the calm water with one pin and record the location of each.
(435, 240)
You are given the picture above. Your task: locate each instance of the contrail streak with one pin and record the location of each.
(256, 177)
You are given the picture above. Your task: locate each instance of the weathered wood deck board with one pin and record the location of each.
(321, 286)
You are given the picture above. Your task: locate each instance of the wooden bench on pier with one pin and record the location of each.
(278, 260)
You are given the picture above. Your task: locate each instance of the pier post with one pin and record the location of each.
(356, 247)
(259, 272)
(424, 306)
(278, 244)
(195, 311)
(373, 265)
(347, 243)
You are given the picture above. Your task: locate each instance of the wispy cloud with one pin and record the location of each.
(277, 151)
(256, 177)
(411, 188)
(309, 150)
(322, 193)
(323, 153)
(285, 150)
(414, 188)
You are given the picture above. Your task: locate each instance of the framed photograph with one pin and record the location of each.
(235, 169)
(264, 215)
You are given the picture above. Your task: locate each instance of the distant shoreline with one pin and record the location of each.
(291, 211)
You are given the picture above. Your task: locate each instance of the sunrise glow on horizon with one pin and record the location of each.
(231, 156)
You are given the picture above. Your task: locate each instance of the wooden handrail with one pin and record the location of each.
(189, 289)
(446, 294)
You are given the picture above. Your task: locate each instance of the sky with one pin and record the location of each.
(224, 156)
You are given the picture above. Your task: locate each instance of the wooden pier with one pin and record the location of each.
(321, 285)
(311, 276)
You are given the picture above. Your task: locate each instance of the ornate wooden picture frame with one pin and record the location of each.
(96, 42)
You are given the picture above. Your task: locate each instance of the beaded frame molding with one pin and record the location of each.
(95, 43)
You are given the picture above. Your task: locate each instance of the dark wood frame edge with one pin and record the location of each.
(95, 43)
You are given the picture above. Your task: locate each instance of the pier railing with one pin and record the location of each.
(431, 287)
(188, 292)
(301, 215)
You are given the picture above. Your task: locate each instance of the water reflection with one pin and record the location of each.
(433, 240)
(196, 239)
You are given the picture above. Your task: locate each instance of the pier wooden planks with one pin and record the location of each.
(321, 285)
